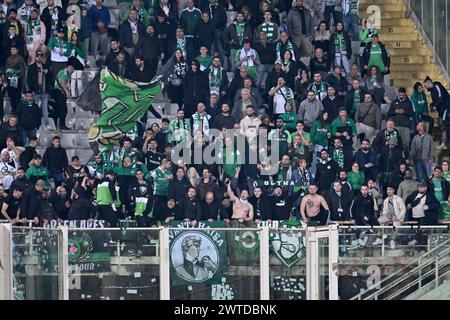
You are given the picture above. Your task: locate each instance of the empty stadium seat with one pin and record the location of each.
(84, 155)
(68, 140)
(81, 141)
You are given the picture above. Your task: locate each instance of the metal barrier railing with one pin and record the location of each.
(430, 26)
(437, 256)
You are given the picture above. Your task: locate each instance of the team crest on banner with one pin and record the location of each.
(244, 247)
(288, 244)
(197, 256)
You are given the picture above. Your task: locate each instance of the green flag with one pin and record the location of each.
(123, 103)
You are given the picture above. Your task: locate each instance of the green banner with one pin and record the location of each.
(287, 242)
(197, 256)
(123, 103)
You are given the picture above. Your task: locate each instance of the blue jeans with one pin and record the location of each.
(43, 98)
(58, 178)
(27, 134)
(351, 25)
(423, 170)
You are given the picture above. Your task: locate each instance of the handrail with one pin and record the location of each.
(393, 275)
(430, 44)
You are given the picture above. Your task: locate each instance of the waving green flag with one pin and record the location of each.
(123, 103)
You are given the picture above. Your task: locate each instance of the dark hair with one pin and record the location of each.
(402, 90)
(165, 120)
(56, 138)
(417, 85)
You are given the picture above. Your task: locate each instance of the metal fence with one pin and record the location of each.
(260, 263)
(433, 16)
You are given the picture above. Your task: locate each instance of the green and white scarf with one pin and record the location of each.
(240, 27)
(338, 156)
(33, 30)
(200, 123)
(181, 44)
(215, 79)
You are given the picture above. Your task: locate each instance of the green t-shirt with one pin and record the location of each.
(356, 179)
(445, 211)
(319, 133)
(160, 182)
(376, 58)
(230, 160)
(205, 62)
(62, 75)
(439, 194)
(447, 176)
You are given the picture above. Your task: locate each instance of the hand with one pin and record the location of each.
(241, 220)
(45, 222)
(257, 221)
(169, 177)
(193, 223)
(36, 221)
(430, 162)
(425, 208)
(210, 220)
(409, 207)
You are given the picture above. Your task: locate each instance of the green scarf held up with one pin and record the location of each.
(240, 26)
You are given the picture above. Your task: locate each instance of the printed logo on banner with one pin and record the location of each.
(288, 245)
(197, 257)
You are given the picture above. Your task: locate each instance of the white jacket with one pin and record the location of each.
(399, 210)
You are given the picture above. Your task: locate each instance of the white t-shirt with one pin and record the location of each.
(417, 211)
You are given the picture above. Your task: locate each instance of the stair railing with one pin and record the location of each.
(439, 256)
(429, 41)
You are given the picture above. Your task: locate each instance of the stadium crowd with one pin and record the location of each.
(347, 150)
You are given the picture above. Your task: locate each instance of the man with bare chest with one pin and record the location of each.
(314, 207)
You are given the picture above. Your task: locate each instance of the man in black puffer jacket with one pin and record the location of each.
(31, 203)
(29, 115)
(55, 160)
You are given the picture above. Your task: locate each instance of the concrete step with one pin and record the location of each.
(412, 36)
(417, 75)
(395, 59)
(394, 14)
(406, 52)
(395, 22)
(386, 6)
(399, 30)
(414, 67)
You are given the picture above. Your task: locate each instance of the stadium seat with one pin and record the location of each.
(68, 140)
(84, 155)
(81, 141)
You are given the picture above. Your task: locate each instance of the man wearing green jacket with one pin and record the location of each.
(36, 171)
(189, 19)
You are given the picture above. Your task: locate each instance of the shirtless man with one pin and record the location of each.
(242, 209)
(311, 207)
